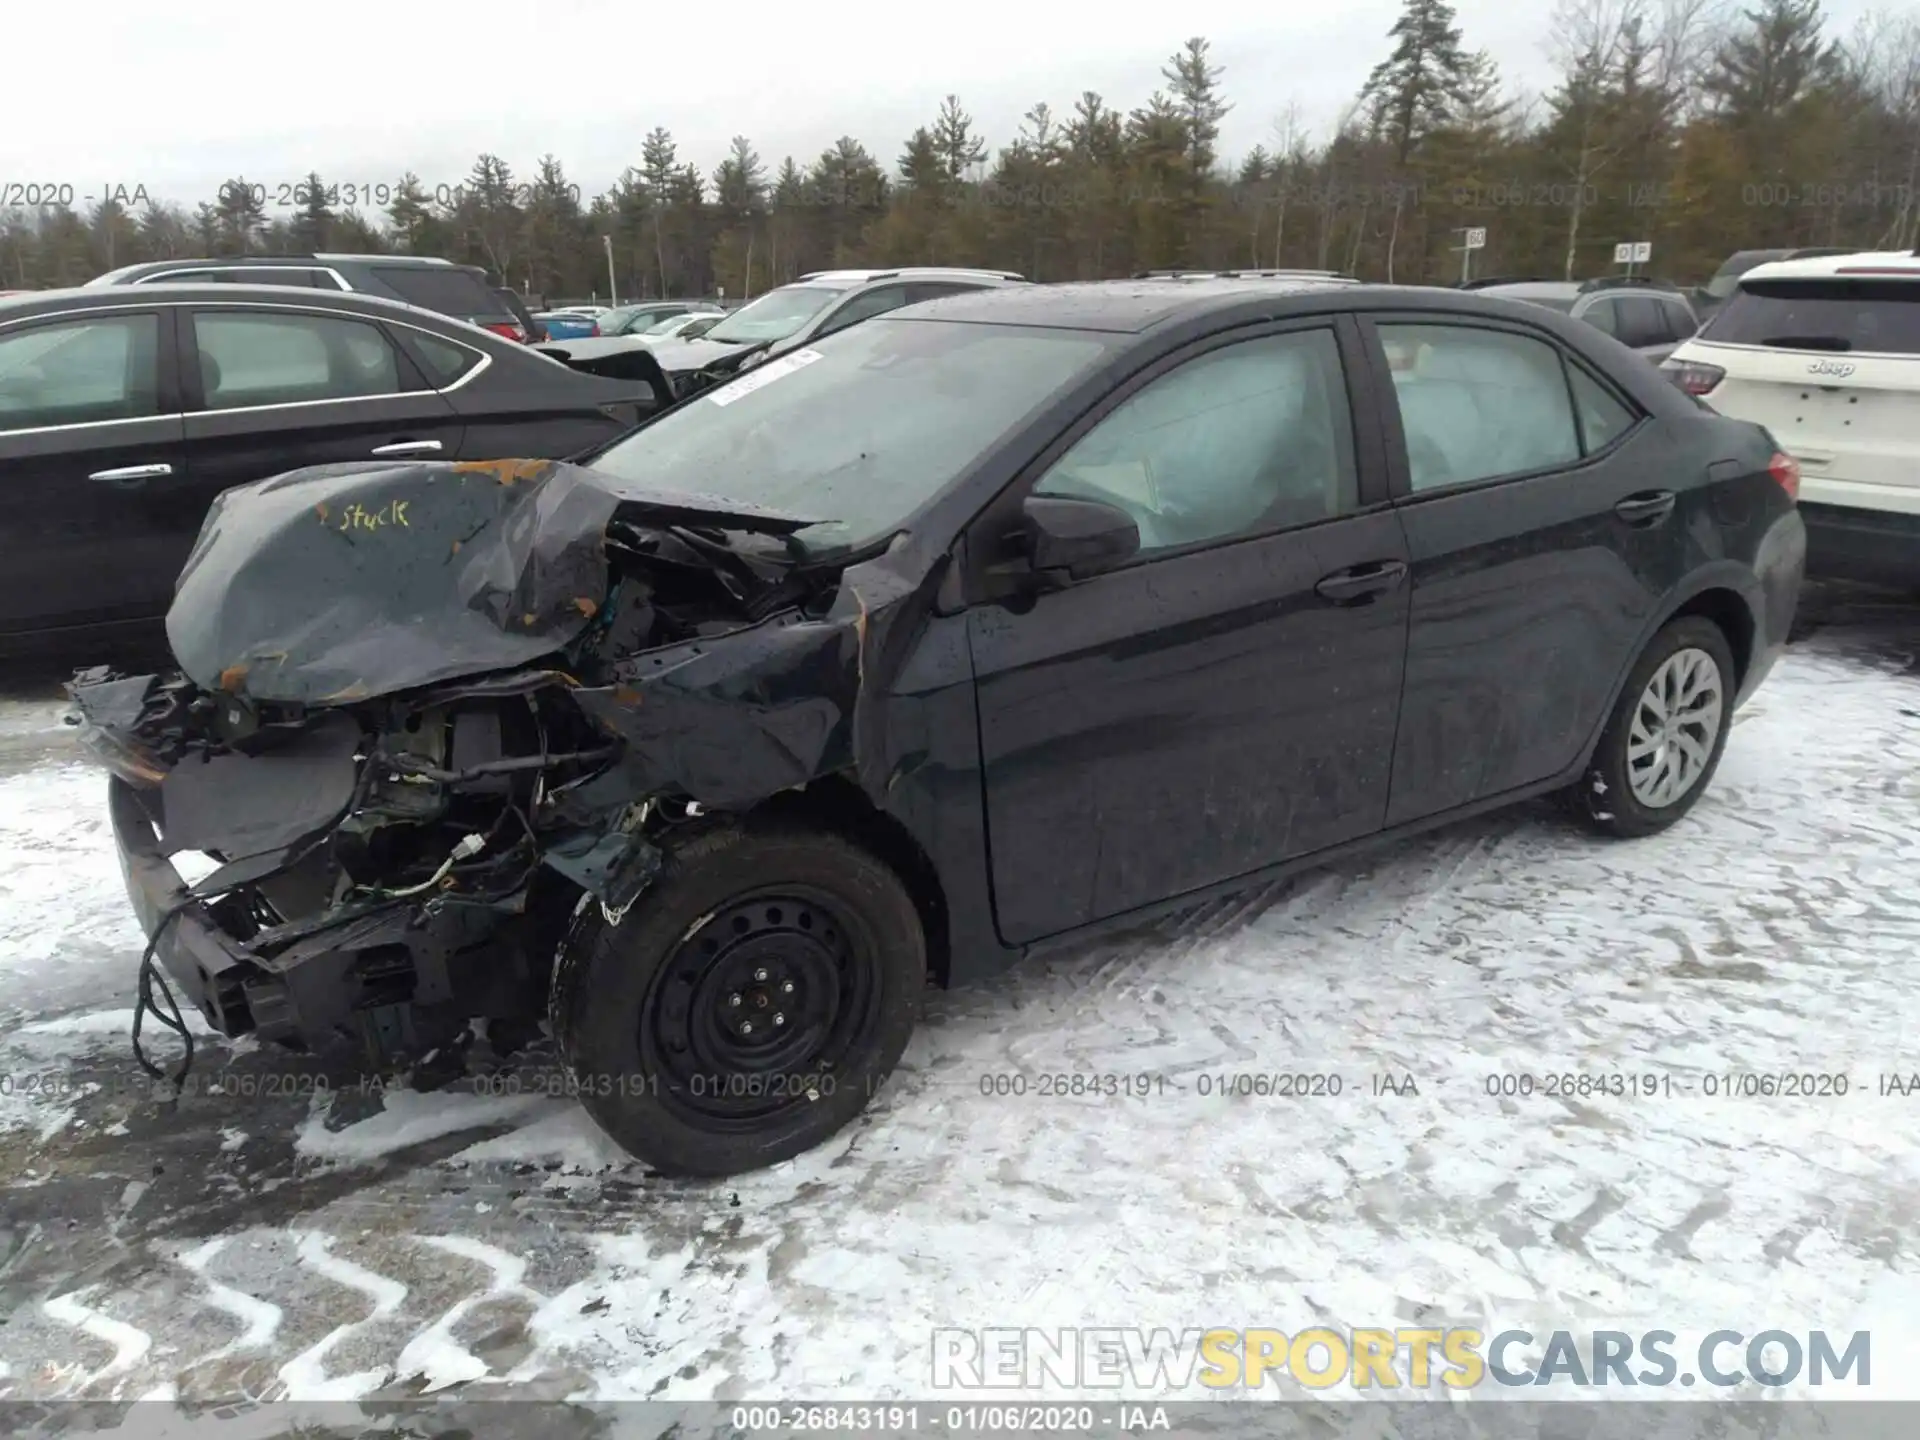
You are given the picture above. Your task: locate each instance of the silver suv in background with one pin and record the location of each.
(1641, 314)
(783, 320)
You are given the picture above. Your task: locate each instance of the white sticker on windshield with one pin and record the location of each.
(765, 375)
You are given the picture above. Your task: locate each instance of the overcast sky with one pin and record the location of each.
(362, 91)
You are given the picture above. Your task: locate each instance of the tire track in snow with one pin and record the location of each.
(434, 1353)
(130, 1343)
(259, 1319)
(305, 1376)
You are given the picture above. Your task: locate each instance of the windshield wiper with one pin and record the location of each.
(1809, 342)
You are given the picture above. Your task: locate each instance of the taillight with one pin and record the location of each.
(1693, 377)
(510, 332)
(593, 329)
(1786, 470)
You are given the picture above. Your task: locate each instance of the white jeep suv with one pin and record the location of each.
(1825, 352)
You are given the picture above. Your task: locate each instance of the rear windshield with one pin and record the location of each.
(1873, 316)
(451, 292)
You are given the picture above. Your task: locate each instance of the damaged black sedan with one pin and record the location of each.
(970, 630)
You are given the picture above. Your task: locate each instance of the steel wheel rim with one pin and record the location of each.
(1676, 723)
(773, 996)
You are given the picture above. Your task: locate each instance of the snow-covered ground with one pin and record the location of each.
(276, 1240)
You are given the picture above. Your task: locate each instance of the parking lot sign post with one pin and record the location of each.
(1472, 240)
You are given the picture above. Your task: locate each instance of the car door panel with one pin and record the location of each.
(1187, 718)
(1529, 595)
(1159, 729)
(82, 550)
(249, 442)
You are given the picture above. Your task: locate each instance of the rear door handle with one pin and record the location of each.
(409, 447)
(131, 475)
(1648, 508)
(1361, 582)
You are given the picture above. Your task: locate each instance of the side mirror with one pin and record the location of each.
(1068, 538)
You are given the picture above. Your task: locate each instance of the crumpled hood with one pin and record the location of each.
(337, 583)
(680, 357)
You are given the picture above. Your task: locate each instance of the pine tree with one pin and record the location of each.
(958, 147)
(1418, 88)
(313, 226)
(1195, 86)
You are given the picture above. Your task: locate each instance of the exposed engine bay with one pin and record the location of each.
(427, 712)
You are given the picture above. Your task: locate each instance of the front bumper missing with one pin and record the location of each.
(387, 980)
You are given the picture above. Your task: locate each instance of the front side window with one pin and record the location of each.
(860, 431)
(80, 372)
(775, 315)
(1247, 438)
(1478, 404)
(864, 307)
(256, 358)
(1604, 316)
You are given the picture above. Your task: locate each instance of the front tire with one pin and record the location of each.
(748, 1006)
(1666, 734)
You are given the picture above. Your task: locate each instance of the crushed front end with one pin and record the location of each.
(427, 712)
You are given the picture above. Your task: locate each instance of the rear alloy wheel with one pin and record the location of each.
(1664, 739)
(748, 1006)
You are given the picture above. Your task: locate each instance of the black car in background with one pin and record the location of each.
(997, 622)
(462, 291)
(125, 410)
(776, 324)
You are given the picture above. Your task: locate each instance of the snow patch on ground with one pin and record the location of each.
(560, 1133)
(408, 1118)
(1772, 932)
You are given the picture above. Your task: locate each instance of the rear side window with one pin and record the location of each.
(1603, 419)
(80, 373)
(451, 292)
(444, 361)
(1478, 404)
(1642, 321)
(1874, 316)
(1680, 318)
(286, 359)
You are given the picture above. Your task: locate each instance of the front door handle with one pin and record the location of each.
(1361, 582)
(1646, 509)
(131, 475)
(409, 447)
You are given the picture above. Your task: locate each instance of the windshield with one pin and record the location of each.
(672, 325)
(1877, 316)
(861, 430)
(774, 316)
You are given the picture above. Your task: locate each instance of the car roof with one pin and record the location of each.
(97, 297)
(1877, 264)
(1125, 306)
(1531, 290)
(284, 262)
(847, 279)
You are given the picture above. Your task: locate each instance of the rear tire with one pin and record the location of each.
(749, 1005)
(1666, 734)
